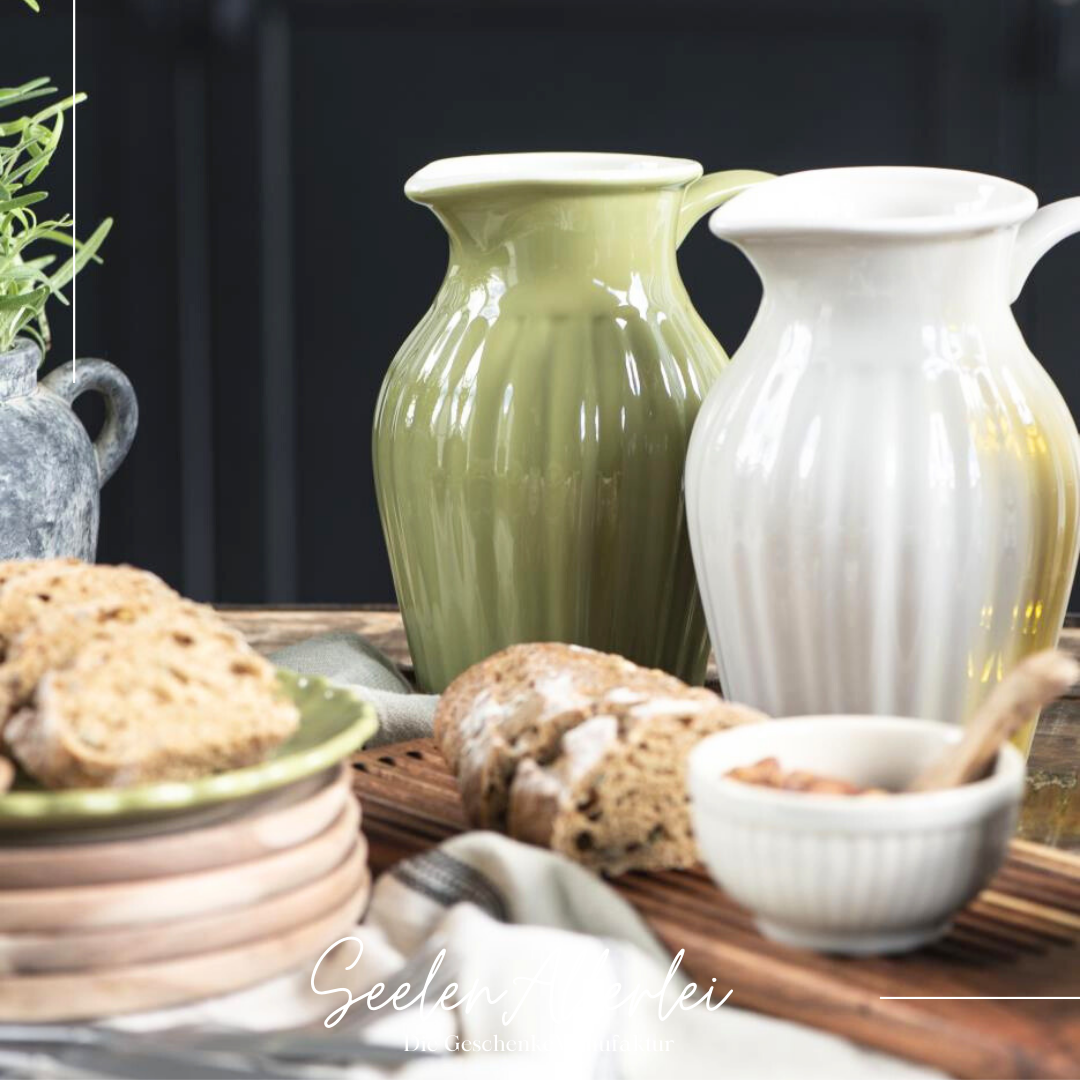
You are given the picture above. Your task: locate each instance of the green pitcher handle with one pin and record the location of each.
(709, 191)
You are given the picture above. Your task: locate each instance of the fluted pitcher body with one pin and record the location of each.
(882, 488)
(530, 436)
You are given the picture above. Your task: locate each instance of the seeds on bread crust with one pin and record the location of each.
(56, 583)
(54, 637)
(11, 569)
(172, 695)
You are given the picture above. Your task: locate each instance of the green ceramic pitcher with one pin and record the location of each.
(530, 434)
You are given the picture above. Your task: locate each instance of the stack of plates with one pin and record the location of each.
(135, 899)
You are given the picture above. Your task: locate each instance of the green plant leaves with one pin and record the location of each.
(10, 205)
(18, 94)
(26, 284)
(85, 251)
(23, 300)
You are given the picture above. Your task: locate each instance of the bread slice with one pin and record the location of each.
(580, 751)
(56, 583)
(512, 706)
(10, 569)
(615, 799)
(172, 695)
(55, 635)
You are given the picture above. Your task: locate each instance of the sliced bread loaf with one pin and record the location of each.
(512, 706)
(57, 583)
(13, 568)
(580, 751)
(615, 798)
(173, 694)
(53, 637)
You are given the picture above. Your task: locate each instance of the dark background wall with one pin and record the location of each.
(265, 265)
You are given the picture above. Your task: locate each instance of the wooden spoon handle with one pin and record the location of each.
(1034, 682)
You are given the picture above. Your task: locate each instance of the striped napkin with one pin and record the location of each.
(545, 961)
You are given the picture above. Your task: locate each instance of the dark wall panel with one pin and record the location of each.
(406, 96)
(265, 264)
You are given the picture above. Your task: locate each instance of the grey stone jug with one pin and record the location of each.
(50, 471)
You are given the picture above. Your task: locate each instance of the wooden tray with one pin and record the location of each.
(281, 820)
(182, 896)
(1017, 939)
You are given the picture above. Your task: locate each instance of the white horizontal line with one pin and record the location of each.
(979, 999)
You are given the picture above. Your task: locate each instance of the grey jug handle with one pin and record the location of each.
(121, 407)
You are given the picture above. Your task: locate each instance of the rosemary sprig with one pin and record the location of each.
(28, 279)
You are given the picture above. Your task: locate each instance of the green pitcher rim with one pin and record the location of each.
(571, 168)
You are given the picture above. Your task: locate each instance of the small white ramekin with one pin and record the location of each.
(848, 874)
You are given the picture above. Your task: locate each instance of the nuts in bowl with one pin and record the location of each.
(838, 871)
(768, 772)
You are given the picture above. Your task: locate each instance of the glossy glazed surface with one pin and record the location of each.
(530, 436)
(903, 471)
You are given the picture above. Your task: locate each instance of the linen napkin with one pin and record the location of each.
(555, 974)
(348, 658)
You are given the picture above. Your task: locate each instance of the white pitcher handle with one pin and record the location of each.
(1049, 225)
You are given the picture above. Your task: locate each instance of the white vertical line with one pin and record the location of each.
(74, 189)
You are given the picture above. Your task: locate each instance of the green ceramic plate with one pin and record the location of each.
(333, 723)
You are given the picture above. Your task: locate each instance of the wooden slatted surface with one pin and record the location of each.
(1018, 938)
(1051, 812)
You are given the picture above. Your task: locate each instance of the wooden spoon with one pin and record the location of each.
(1034, 682)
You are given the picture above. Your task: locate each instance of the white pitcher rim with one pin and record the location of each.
(574, 168)
(880, 200)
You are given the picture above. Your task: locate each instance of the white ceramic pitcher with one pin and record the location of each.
(882, 487)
